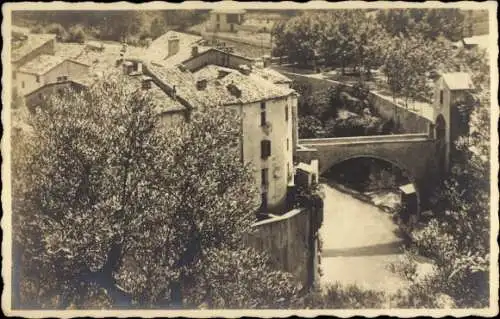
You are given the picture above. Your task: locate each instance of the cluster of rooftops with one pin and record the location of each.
(173, 85)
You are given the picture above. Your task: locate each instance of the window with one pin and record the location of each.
(265, 149)
(37, 79)
(263, 205)
(264, 173)
(217, 17)
(40, 96)
(218, 26)
(441, 97)
(13, 75)
(263, 114)
(22, 84)
(289, 176)
(286, 113)
(287, 144)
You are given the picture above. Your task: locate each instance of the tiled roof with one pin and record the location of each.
(252, 87)
(163, 102)
(458, 81)
(41, 64)
(69, 50)
(20, 30)
(33, 42)
(272, 75)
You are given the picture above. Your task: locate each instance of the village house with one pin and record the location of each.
(25, 48)
(47, 69)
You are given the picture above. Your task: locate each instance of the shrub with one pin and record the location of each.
(360, 91)
(337, 296)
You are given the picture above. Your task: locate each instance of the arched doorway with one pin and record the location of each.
(440, 127)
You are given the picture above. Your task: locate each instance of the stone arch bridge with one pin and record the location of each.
(415, 154)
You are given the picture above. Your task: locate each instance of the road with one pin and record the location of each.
(359, 243)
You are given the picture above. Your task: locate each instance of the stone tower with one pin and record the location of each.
(450, 88)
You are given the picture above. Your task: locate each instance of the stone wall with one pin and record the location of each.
(291, 242)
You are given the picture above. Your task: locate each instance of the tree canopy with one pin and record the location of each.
(111, 210)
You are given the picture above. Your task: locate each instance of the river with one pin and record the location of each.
(360, 241)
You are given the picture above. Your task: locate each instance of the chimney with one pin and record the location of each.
(173, 45)
(221, 74)
(245, 69)
(234, 90)
(201, 84)
(266, 59)
(127, 67)
(194, 51)
(146, 82)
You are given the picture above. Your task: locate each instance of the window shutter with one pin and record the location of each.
(265, 149)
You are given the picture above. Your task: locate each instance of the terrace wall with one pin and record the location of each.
(406, 120)
(291, 242)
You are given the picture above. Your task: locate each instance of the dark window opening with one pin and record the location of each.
(263, 114)
(263, 205)
(22, 84)
(286, 112)
(264, 177)
(265, 149)
(37, 79)
(287, 144)
(441, 97)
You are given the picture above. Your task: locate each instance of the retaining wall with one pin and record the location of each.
(291, 243)
(406, 120)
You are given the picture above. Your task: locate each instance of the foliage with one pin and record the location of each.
(405, 66)
(104, 198)
(76, 34)
(458, 236)
(431, 23)
(58, 30)
(115, 25)
(242, 279)
(336, 296)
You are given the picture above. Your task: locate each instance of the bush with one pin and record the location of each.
(76, 34)
(337, 296)
(360, 91)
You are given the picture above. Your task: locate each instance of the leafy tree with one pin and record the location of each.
(110, 209)
(76, 34)
(58, 30)
(430, 23)
(157, 28)
(406, 65)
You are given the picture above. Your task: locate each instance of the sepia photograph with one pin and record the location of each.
(256, 159)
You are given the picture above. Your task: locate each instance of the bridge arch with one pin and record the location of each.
(394, 162)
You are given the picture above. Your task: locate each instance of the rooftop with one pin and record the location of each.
(41, 64)
(219, 90)
(458, 81)
(158, 49)
(33, 42)
(20, 30)
(252, 87)
(482, 41)
(229, 10)
(163, 102)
